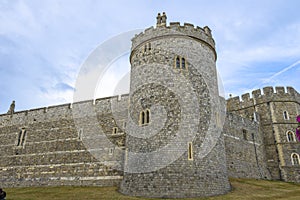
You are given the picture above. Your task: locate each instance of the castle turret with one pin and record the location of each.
(174, 145)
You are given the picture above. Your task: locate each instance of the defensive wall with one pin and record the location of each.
(53, 152)
(278, 110)
(45, 146)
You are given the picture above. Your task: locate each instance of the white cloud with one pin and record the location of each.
(44, 43)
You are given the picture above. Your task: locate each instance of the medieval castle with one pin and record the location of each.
(169, 137)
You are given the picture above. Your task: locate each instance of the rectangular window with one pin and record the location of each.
(245, 134)
(21, 138)
(80, 132)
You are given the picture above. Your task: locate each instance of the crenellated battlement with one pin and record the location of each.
(35, 115)
(267, 94)
(174, 29)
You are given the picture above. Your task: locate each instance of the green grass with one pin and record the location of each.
(242, 189)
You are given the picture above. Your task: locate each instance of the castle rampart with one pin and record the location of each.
(174, 30)
(45, 146)
(278, 109)
(245, 153)
(288, 94)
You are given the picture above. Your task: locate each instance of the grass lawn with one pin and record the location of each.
(242, 189)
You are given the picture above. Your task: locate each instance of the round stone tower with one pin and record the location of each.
(174, 145)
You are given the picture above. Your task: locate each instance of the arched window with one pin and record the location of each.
(290, 136)
(177, 62)
(147, 116)
(144, 117)
(182, 63)
(286, 115)
(295, 159)
(115, 130)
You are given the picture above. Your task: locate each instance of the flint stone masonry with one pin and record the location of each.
(188, 97)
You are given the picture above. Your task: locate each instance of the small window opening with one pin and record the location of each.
(285, 115)
(177, 62)
(253, 137)
(111, 151)
(80, 132)
(21, 137)
(190, 151)
(147, 116)
(115, 130)
(182, 63)
(245, 134)
(295, 159)
(291, 136)
(144, 117)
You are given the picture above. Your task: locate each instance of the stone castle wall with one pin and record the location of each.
(85, 143)
(277, 110)
(54, 153)
(245, 153)
(53, 150)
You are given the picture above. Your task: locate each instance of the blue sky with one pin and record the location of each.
(44, 43)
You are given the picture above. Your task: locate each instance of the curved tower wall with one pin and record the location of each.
(180, 153)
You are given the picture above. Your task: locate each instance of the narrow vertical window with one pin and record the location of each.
(149, 46)
(245, 134)
(115, 130)
(295, 159)
(21, 137)
(190, 151)
(111, 151)
(143, 117)
(182, 63)
(290, 136)
(177, 62)
(286, 115)
(147, 117)
(80, 132)
(253, 138)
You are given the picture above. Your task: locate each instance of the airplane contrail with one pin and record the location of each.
(282, 71)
